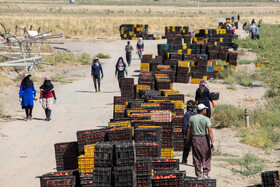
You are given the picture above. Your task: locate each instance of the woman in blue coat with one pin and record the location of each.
(203, 96)
(27, 94)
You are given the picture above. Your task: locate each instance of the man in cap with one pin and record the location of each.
(140, 47)
(191, 110)
(96, 68)
(201, 148)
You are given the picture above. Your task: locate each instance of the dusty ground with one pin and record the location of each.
(27, 148)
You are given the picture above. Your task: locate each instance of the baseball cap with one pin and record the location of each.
(201, 107)
(96, 58)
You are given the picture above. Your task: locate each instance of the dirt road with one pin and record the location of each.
(27, 148)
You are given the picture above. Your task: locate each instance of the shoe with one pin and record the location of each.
(184, 162)
(199, 178)
(30, 117)
(95, 91)
(50, 119)
(46, 119)
(206, 177)
(99, 90)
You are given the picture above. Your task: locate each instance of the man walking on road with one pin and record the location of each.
(96, 68)
(140, 47)
(200, 124)
(191, 110)
(128, 50)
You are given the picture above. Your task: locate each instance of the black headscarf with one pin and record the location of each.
(27, 82)
(47, 86)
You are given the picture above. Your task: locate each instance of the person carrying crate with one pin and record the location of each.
(191, 110)
(203, 96)
(200, 125)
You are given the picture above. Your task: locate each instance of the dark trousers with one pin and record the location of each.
(120, 77)
(96, 79)
(48, 113)
(28, 111)
(186, 150)
(128, 58)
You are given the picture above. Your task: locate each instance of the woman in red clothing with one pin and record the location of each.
(47, 97)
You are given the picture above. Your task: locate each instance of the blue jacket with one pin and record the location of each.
(95, 70)
(186, 119)
(27, 95)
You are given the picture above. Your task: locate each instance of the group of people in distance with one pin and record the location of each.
(120, 69)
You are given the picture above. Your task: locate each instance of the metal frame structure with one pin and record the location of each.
(23, 46)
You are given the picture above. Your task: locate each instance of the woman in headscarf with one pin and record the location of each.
(203, 96)
(27, 94)
(120, 69)
(47, 97)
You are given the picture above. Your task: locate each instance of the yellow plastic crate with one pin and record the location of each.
(161, 76)
(178, 104)
(218, 68)
(233, 67)
(144, 67)
(89, 149)
(123, 124)
(149, 127)
(180, 51)
(149, 105)
(206, 31)
(171, 86)
(142, 87)
(189, 51)
(259, 65)
(167, 153)
(169, 92)
(223, 61)
(125, 35)
(86, 163)
(119, 108)
(221, 40)
(184, 64)
(135, 111)
(197, 81)
(217, 31)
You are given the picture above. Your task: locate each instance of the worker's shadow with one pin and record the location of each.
(85, 91)
(23, 119)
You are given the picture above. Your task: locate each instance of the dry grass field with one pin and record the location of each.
(99, 20)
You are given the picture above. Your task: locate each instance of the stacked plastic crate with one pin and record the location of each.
(66, 155)
(127, 87)
(177, 124)
(86, 161)
(103, 163)
(124, 169)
